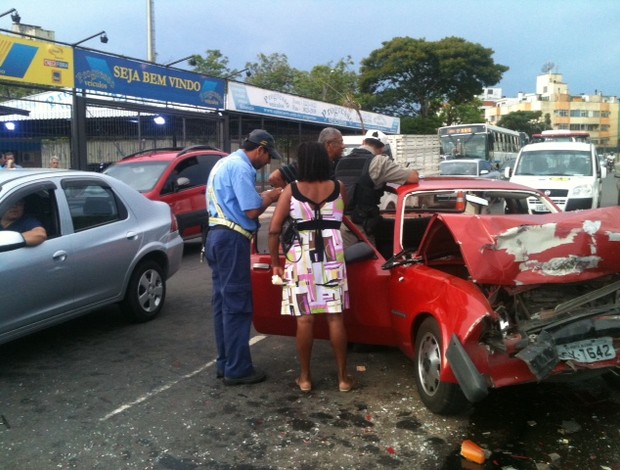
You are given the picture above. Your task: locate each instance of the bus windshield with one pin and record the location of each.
(464, 146)
(485, 141)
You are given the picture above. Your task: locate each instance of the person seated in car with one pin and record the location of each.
(15, 219)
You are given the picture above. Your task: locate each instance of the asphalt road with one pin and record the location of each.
(99, 393)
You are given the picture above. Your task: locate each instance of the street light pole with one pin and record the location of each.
(150, 31)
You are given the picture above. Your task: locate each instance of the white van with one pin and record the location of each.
(570, 173)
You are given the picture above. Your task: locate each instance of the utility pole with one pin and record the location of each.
(150, 30)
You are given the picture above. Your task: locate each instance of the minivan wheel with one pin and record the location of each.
(146, 292)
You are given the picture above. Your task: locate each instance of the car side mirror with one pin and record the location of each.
(484, 172)
(507, 172)
(182, 181)
(11, 240)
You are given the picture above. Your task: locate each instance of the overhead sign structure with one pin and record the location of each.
(36, 62)
(119, 76)
(246, 98)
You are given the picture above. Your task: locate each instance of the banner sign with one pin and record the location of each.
(104, 73)
(37, 62)
(246, 98)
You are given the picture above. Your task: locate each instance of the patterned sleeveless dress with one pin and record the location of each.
(315, 273)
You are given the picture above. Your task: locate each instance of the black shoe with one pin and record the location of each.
(219, 374)
(256, 377)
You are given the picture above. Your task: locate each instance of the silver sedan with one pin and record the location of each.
(72, 241)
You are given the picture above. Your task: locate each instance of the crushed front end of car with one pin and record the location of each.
(553, 286)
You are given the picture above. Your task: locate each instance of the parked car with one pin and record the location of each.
(477, 290)
(468, 167)
(106, 244)
(175, 176)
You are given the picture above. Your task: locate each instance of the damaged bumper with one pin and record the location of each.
(588, 342)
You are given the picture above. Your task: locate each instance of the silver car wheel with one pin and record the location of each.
(150, 290)
(429, 363)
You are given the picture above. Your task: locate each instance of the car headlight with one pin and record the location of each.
(584, 190)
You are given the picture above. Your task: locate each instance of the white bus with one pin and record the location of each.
(484, 141)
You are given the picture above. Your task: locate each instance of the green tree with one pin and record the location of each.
(12, 92)
(272, 72)
(530, 122)
(214, 64)
(420, 125)
(332, 83)
(464, 113)
(411, 77)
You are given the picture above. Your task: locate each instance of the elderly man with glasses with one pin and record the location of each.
(334, 144)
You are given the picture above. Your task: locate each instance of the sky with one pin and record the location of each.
(580, 37)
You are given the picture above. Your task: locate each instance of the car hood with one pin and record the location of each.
(530, 249)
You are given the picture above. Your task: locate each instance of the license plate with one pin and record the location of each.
(592, 350)
(541, 208)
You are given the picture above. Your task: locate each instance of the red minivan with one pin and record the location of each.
(175, 176)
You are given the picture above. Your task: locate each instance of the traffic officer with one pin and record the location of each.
(234, 207)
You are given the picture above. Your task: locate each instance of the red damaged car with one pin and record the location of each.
(478, 290)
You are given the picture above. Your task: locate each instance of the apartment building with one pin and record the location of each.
(596, 114)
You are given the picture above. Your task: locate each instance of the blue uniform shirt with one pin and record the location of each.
(233, 180)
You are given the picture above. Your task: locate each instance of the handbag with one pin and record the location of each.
(289, 234)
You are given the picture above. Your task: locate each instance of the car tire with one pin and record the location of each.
(439, 397)
(146, 292)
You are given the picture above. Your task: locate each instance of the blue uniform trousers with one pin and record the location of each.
(228, 255)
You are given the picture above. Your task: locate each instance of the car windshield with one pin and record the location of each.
(555, 163)
(139, 175)
(455, 167)
(471, 201)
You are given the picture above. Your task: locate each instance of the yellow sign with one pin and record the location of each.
(37, 62)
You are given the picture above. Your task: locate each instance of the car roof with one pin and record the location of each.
(169, 153)
(464, 160)
(581, 146)
(439, 183)
(30, 173)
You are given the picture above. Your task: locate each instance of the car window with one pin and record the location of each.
(92, 204)
(140, 176)
(207, 162)
(190, 169)
(39, 203)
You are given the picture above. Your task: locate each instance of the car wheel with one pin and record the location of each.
(145, 293)
(439, 397)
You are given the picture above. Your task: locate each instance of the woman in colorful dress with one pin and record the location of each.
(314, 276)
